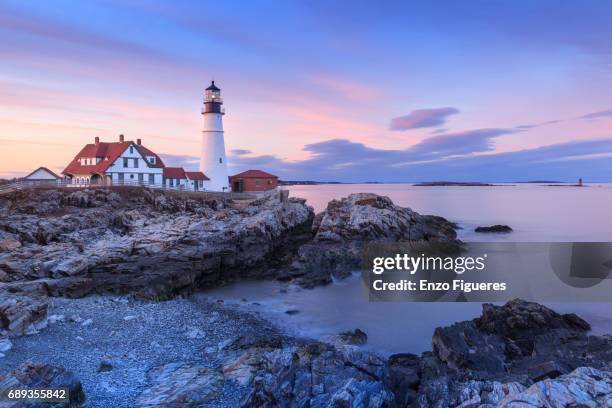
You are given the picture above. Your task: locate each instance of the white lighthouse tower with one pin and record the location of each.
(213, 162)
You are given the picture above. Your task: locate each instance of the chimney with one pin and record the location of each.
(121, 138)
(138, 142)
(97, 140)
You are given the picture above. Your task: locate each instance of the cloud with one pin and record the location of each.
(599, 114)
(422, 118)
(449, 144)
(347, 161)
(177, 160)
(240, 152)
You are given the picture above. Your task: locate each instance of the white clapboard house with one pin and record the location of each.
(124, 163)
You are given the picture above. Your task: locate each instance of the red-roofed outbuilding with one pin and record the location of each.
(253, 180)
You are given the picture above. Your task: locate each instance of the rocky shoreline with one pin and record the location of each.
(82, 273)
(125, 352)
(156, 244)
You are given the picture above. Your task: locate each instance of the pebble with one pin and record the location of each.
(5, 345)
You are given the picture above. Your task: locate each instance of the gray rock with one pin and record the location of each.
(583, 387)
(22, 316)
(5, 345)
(154, 244)
(180, 384)
(31, 375)
(342, 230)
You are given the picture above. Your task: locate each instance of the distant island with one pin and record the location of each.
(539, 182)
(313, 183)
(454, 183)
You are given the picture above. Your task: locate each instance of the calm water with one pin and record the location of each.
(536, 213)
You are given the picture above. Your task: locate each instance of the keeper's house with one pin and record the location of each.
(127, 162)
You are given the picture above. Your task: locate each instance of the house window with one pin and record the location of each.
(135, 163)
(151, 178)
(269, 182)
(152, 160)
(220, 160)
(120, 175)
(131, 149)
(125, 162)
(171, 182)
(131, 176)
(257, 182)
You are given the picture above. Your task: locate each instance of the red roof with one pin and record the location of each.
(254, 174)
(44, 169)
(196, 175)
(174, 173)
(109, 152)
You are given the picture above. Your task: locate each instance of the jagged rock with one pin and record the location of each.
(317, 375)
(180, 384)
(32, 375)
(583, 387)
(22, 316)
(404, 377)
(494, 228)
(155, 244)
(356, 337)
(343, 229)
(514, 344)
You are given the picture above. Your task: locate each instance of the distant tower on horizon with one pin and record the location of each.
(213, 162)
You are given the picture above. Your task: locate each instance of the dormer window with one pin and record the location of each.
(152, 159)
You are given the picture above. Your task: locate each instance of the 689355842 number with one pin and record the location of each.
(36, 394)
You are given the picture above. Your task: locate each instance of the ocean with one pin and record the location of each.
(536, 212)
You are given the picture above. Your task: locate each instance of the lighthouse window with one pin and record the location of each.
(220, 160)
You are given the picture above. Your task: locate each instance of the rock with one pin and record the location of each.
(343, 229)
(404, 377)
(462, 345)
(504, 351)
(76, 319)
(315, 374)
(583, 387)
(354, 338)
(56, 318)
(106, 364)
(549, 369)
(30, 375)
(22, 316)
(5, 345)
(494, 228)
(195, 333)
(151, 243)
(180, 384)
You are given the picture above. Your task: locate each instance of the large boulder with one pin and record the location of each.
(347, 225)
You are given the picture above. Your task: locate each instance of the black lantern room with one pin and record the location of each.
(212, 99)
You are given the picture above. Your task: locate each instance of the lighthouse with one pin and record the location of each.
(213, 162)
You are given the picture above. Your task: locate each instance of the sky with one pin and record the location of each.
(329, 91)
